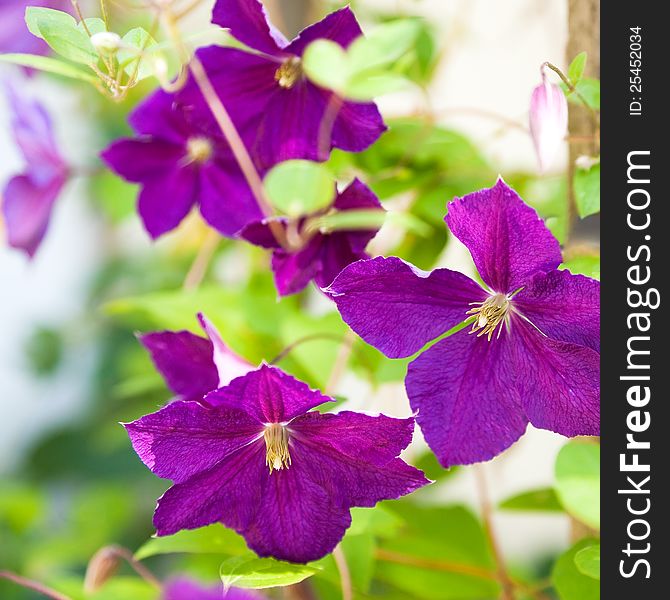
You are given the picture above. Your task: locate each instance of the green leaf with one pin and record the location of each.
(350, 220)
(544, 499)
(587, 190)
(569, 582)
(260, 573)
(367, 86)
(578, 481)
(589, 89)
(134, 46)
(37, 16)
(50, 65)
(94, 25)
(588, 561)
(585, 264)
(385, 44)
(214, 539)
(326, 63)
(61, 32)
(300, 187)
(576, 68)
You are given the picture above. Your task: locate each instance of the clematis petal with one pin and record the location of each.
(558, 382)
(564, 306)
(183, 439)
(165, 201)
(339, 26)
(260, 233)
(358, 126)
(335, 255)
(269, 395)
(294, 271)
(464, 391)
(139, 160)
(297, 520)
(398, 308)
(184, 360)
(27, 206)
(228, 365)
(358, 196)
(158, 116)
(226, 201)
(230, 491)
(507, 239)
(355, 456)
(185, 589)
(249, 23)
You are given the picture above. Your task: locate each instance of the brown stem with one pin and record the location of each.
(434, 564)
(573, 90)
(340, 362)
(303, 340)
(345, 575)
(487, 517)
(200, 265)
(33, 585)
(333, 108)
(136, 565)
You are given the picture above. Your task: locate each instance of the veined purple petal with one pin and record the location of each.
(185, 589)
(464, 390)
(558, 382)
(164, 202)
(183, 439)
(398, 308)
(507, 239)
(358, 126)
(249, 23)
(226, 201)
(141, 159)
(339, 26)
(229, 366)
(294, 271)
(564, 306)
(358, 196)
(27, 208)
(185, 361)
(269, 395)
(336, 254)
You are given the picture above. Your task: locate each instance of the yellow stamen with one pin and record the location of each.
(198, 149)
(288, 74)
(489, 315)
(276, 444)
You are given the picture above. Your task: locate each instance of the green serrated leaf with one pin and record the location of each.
(300, 187)
(261, 573)
(49, 65)
(214, 539)
(576, 68)
(569, 582)
(578, 481)
(587, 190)
(588, 561)
(544, 499)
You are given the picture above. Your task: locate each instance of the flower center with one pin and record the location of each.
(277, 455)
(489, 315)
(288, 74)
(198, 149)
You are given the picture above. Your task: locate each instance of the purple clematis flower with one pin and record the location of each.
(185, 589)
(267, 94)
(535, 353)
(193, 366)
(14, 35)
(28, 198)
(181, 159)
(254, 457)
(320, 254)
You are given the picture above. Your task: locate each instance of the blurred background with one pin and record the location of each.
(71, 369)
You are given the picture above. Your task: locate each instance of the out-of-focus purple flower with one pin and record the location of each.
(254, 457)
(535, 356)
(193, 366)
(548, 121)
(267, 94)
(320, 255)
(181, 160)
(28, 198)
(14, 34)
(185, 589)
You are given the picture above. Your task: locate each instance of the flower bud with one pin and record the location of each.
(102, 567)
(106, 42)
(548, 121)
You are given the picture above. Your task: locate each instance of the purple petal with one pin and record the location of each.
(269, 395)
(340, 26)
(27, 208)
(358, 196)
(185, 589)
(164, 202)
(249, 23)
(558, 382)
(185, 438)
(159, 115)
(229, 366)
(336, 254)
(358, 126)
(294, 271)
(185, 362)
(355, 456)
(226, 201)
(564, 306)
(260, 233)
(464, 390)
(14, 35)
(507, 239)
(398, 308)
(143, 159)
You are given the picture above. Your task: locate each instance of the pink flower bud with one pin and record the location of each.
(548, 121)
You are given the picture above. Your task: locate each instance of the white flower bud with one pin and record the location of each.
(106, 42)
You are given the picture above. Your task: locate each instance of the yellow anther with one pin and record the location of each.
(277, 455)
(489, 315)
(288, 74)
(198, 149)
